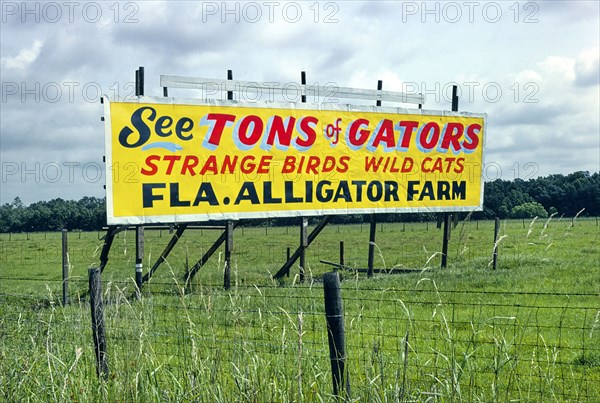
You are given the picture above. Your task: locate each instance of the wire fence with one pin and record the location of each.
(480, 337)
(270, 344)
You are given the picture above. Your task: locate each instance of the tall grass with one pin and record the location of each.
(461, 334)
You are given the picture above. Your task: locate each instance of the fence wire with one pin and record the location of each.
(270, 343)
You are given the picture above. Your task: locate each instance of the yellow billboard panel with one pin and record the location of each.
(176, 161)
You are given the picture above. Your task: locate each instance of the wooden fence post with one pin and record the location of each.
(228, 250)
(65, 267)
(334, 315)
(139, 259)
(445, 239)
(496, 231)
(303, 246)
(371, 258)
(98, 330)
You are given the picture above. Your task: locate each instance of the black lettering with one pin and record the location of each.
(141, 127)
(459, 190)
(247, 192)
(268, 194)
(427, 191)
(324, 196)
(289, 193)
(391, 191)
(175, 202)
(411, 191)
(343, 192)
(374, 191)
(206, 194)
(148, 196)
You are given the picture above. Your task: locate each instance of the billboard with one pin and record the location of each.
(184, 160)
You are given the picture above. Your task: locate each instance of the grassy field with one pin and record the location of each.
(529, 331)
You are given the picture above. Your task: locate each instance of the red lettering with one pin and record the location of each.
(357, 135)
(171, 159)
(384, 133)
(210, 165)
(306, 128)
(246, 138)
(406, 131)
(216, 130)
(472, 135)
(343, 164)
(429, 135)
(150, 163)
(452, 134)
(189, 163)
(278, 130)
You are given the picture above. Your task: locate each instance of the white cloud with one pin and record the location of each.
(24, 58)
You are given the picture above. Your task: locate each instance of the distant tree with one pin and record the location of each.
(528, 210)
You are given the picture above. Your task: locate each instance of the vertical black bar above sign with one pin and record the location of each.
(141, 70)
(454, 98)
(379, 88)
(230, 77)
(137, 83)
(334, 315)
(303, 82)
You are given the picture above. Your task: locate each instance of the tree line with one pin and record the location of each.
(563, 195)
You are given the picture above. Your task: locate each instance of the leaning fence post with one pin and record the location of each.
(98, 330)
(334, 314)
(496, 231)
(65, 268)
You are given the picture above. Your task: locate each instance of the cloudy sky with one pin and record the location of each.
(531, 66)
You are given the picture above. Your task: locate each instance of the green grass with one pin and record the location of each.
(529, 331)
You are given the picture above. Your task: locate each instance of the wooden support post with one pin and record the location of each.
(288, 255)
(108, 240)
(228, 250)
(163, 256)
(445, 239)
(372, 231)
(139, 259)
(334, 315)
(303, 246)
(341, 253)
(496, 232)
(311, 237)
(98, 330)
(65, 267)
(192, 272)
(447, 216)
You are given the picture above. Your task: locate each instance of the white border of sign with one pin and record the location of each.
(112, 220)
